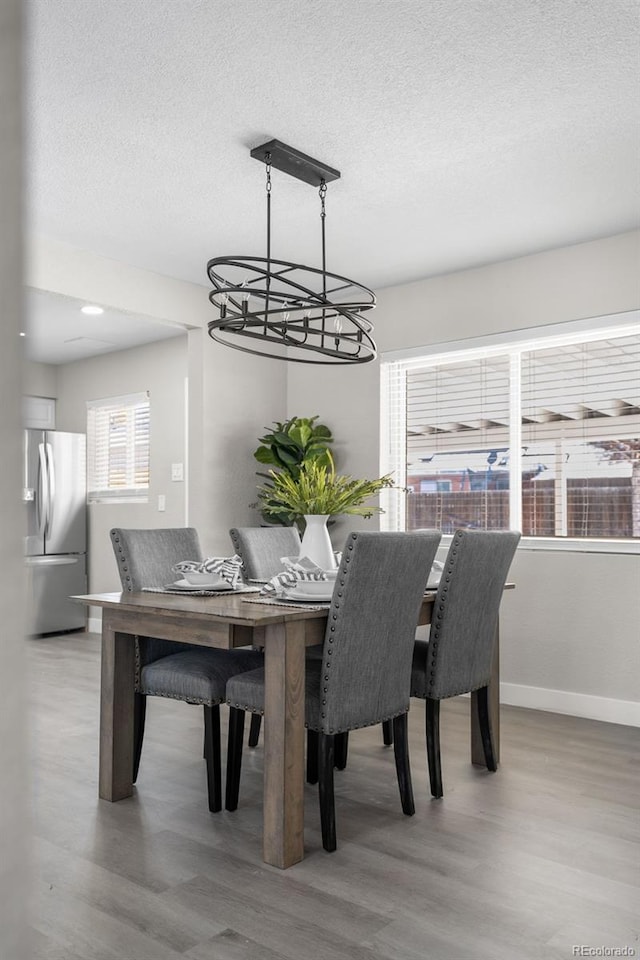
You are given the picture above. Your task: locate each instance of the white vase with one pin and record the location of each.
(316, 543)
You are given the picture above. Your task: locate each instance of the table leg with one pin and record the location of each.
(477, 753)
(283, 822)
(116, 714)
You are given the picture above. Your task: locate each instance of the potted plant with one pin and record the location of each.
(316, 494)
(287, 448)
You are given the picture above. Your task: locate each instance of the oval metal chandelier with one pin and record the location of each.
(285, 310)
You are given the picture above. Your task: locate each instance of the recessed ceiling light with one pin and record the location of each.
(22, 333)
(92, 310)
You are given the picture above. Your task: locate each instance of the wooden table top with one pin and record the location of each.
(227, 607)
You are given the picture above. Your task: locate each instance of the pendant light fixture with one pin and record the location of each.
(285, 310)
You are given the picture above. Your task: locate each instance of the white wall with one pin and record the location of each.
(239, 394)
(570, 629)
(39, 379)
(160, 368)
(14, 794)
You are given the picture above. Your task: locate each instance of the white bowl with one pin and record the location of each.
(198, 579)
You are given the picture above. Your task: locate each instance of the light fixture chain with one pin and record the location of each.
(323, 216)
(267, 160)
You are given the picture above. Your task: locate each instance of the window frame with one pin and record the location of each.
(394, 365)
(119, 404)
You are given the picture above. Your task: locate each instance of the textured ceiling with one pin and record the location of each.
(467, 131)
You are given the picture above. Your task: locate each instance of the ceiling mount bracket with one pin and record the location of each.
(296, 164)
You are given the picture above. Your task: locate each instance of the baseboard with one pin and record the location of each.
(607, 709)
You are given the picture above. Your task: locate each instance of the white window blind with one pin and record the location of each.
(457, 444)
(118, 448)
(581, 437)
(541, 435)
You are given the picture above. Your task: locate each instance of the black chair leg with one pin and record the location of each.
(139, 713)
(212, 757)
(387, 732)
(341, 750)
(432, 722)
(326, 761)
(312, 756)
(234, 757)
(403, 768)
(485, 729)
(254, 729)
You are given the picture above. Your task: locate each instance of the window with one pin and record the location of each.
(540, 433)
(118, 448)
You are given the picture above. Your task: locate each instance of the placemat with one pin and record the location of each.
(201, 593)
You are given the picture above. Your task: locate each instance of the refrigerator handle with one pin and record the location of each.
(42, 496)
(52, 487)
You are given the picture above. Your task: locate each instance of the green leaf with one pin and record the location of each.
(264, 455)
(306, 434)
(282, 438)
(287, 456)
(295, 435)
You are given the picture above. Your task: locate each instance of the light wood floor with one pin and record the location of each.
(519, 865)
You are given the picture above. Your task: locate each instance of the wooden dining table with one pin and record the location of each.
(227, 621)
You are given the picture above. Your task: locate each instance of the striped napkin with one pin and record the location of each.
(296, 569)
(228, 568)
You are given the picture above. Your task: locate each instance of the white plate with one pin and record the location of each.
(194, 587)
(302, 600)
(297, 595)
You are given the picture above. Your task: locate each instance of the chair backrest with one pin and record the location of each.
(368, 645)
(465, 616)
(261, 548)
(145, 557)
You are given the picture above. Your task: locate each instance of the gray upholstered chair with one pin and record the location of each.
(457, 656)
(164, 668)
(363, 676)
(261, 550)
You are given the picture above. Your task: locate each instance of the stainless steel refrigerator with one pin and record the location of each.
(56, 529)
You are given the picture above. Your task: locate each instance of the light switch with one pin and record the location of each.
(177, 471)
(161, 502)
